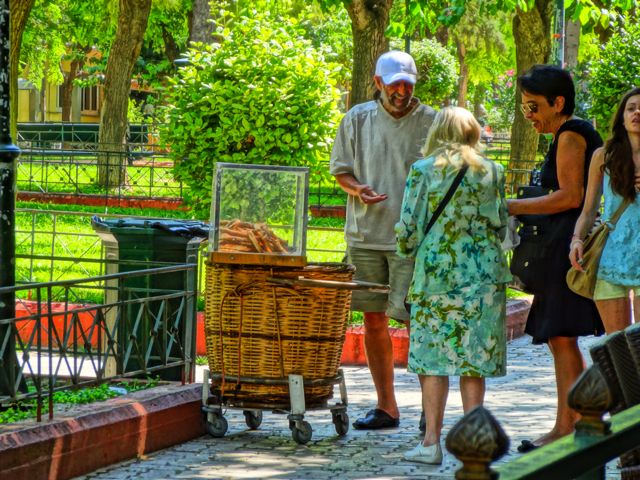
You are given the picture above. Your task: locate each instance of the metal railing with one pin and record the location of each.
(75, 135)
(138, 329)
(76, 172)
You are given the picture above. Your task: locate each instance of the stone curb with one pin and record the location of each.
(122, 428)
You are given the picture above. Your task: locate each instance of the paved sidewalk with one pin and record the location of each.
(523, 402)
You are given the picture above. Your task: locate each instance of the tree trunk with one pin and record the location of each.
(532, 36)
(478, 103)
(171, 49)
(369, 20)
(463, 80)
(19, 11)
(571, 43)
(132, 23)
(200, 22)
(67, 87)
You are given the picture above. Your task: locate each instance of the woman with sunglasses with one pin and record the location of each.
(616, 170)
(558, 316)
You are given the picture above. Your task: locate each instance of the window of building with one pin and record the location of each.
(59, 100)
(90, 98)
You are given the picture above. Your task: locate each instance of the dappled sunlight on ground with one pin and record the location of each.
(523, 402)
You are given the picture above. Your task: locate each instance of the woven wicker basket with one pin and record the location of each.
(262, 331)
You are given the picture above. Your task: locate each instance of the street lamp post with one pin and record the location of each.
(8, 156)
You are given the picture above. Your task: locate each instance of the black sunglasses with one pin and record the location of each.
(529, 107)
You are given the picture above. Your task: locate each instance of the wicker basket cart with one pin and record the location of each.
(274, 326)
(274, 340)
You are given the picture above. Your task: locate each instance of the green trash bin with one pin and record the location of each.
(146, 330)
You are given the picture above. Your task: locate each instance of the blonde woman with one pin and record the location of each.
(458, 292)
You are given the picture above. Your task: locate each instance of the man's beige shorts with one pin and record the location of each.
(386, 267)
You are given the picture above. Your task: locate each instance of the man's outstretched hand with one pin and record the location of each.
(369, 196)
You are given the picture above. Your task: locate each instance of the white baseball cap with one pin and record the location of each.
(394, 66)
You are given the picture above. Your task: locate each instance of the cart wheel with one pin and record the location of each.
(302, 434)
(218, 426)
(341, 423)
(253, 418)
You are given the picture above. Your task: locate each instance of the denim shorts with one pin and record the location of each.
(609, 291)
(385, 267)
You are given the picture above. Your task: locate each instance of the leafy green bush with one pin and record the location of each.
(262, 96)
(617, 71)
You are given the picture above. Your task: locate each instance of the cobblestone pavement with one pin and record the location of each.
(523, 402)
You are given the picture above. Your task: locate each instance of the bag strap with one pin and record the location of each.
(447, 198)
(616, 216)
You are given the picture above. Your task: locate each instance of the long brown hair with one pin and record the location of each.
(618, 159)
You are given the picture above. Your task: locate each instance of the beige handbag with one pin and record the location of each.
(584, 283)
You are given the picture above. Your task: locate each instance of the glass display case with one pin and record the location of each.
(259, 215)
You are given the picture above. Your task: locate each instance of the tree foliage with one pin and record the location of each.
(263, 95)
(41, 51)
(67, 31)
(617, 71)
(19, 13)
(500, 103)
(480, 46)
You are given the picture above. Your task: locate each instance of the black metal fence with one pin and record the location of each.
(138, 329)
(76, 172)
(77, 135)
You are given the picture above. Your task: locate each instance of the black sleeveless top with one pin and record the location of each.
(557, 311)
(565, 221)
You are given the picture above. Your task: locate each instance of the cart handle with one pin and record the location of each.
(354, 285)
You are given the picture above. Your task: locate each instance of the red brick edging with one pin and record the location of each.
(122, 429)
(103, 200)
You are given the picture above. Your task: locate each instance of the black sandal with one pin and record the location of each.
(526, 446)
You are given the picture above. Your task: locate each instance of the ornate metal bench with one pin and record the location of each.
(611, 385)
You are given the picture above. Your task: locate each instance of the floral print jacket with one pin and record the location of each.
(463, 246)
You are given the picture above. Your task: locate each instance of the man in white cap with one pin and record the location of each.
(376, 144)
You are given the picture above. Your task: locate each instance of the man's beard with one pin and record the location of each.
(390, 100)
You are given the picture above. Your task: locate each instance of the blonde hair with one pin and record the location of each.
(454, 139)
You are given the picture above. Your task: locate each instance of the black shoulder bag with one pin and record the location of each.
(529, 259)
(443, 203)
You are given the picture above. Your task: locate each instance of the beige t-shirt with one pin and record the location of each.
(378, 150)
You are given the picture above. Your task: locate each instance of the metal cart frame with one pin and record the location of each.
(301, 431)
